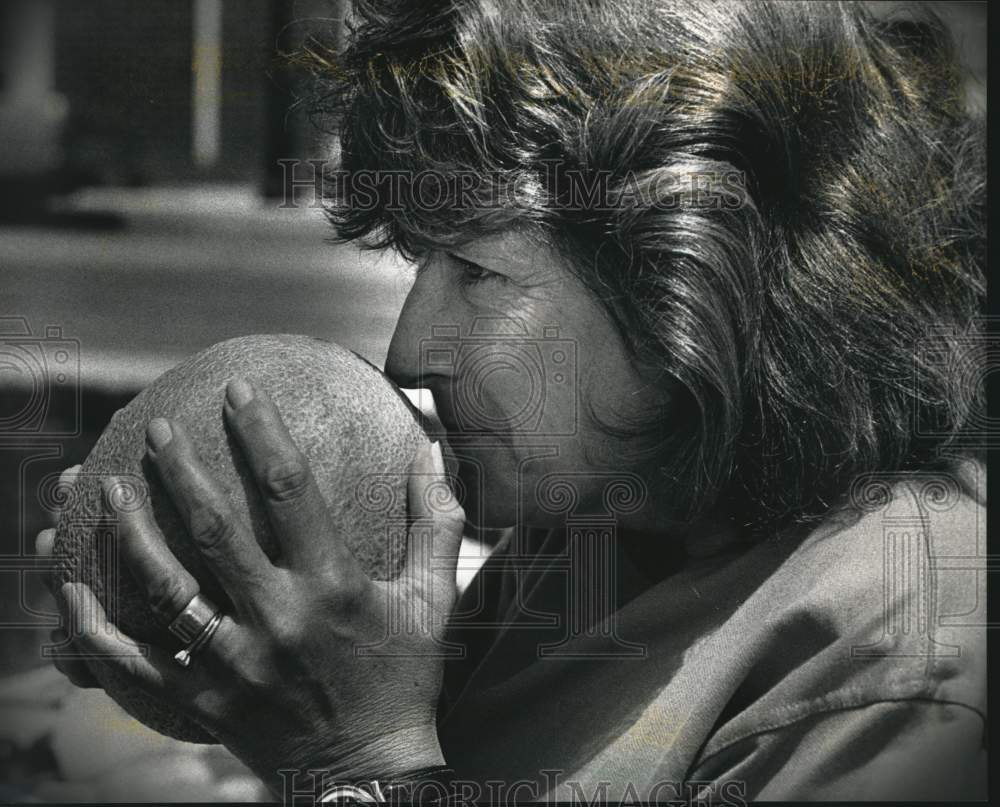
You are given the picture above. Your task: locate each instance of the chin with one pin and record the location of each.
(488, 504)
(485, 507)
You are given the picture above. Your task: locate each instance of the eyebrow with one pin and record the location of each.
(456, 256)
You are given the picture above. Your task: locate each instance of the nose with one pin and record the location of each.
(420, 311)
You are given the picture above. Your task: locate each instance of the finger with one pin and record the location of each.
(224, 539)
(78, 673)
(75, 669)
(435, 535)
(68, 477)
(168, 586)
(294, 504)
(102, 643)
(44, 542)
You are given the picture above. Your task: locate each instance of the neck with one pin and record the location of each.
(666, 546)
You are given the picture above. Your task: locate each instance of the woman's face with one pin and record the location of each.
(524, 366)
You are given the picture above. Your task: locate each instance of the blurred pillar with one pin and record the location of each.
(28, 48)
(31, 112)
(206, 84)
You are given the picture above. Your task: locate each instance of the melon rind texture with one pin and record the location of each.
(357, 430)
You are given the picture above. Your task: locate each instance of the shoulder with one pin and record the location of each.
(883, 603)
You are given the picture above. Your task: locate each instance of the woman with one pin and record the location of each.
(744, 244)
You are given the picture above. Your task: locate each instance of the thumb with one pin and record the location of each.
(437, 524)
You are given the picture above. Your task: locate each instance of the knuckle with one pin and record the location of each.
(167, 596)
(132, 668)
(80, 675)
(210, 527)
(285, 632)
(249, 663)
(255, 417)
(252, 676)
(346, 598)
(452, 518)
(212, 705)
(286, 479)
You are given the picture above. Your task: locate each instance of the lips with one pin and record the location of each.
(442, 423)
(437, 410)
(431, 425)
(437, 430)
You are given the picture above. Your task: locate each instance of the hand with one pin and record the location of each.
(280, 683)
(74, 669)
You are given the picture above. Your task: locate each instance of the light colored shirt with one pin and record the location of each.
(845, 662)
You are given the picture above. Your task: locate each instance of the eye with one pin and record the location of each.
(473, 274)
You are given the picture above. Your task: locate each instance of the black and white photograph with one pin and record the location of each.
(456, 402)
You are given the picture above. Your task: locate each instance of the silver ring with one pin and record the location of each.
(194, 626)
(190, 622)
(183, 657)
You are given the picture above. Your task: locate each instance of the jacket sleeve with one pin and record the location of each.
(913, 750)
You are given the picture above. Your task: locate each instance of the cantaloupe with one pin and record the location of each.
(357, 430)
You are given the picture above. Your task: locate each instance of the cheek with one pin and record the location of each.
(518, 476)
(497, 387)
(514, 388)
(514, 374)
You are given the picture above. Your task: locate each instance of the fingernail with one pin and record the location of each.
(44, 541)
(239, 393)
(436, 457)
(158, 433)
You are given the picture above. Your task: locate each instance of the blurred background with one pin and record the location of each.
(141, 220)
